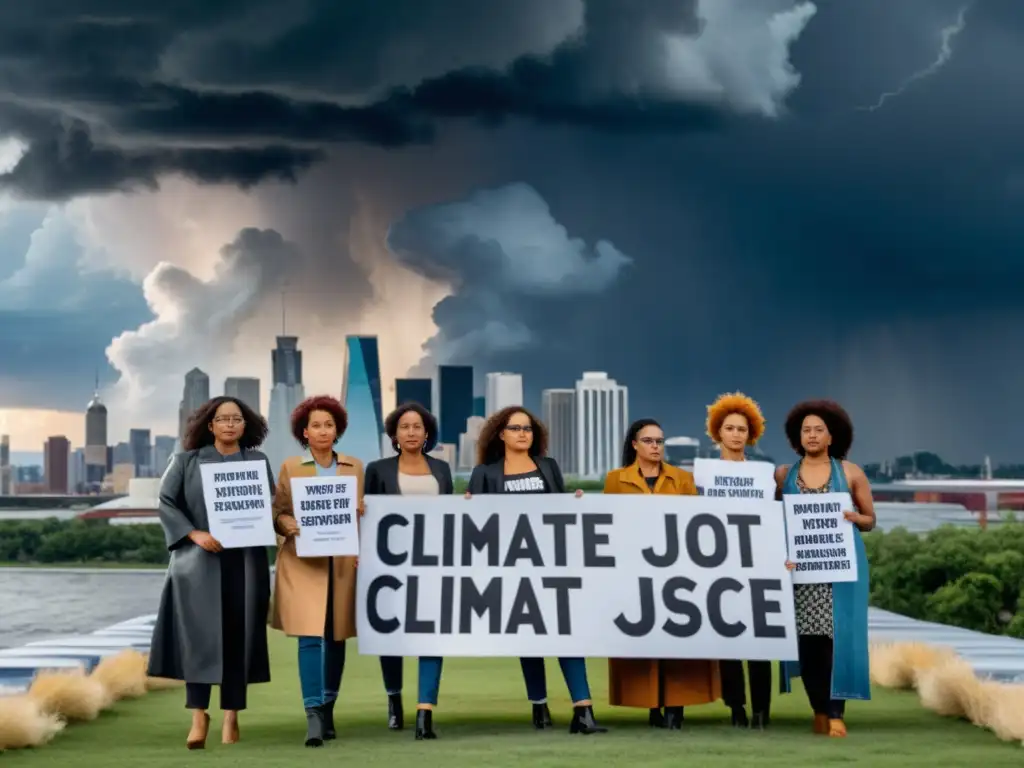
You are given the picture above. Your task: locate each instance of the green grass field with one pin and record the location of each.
(483, 720)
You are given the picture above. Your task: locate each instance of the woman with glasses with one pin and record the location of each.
(211, 628)
(315, 597)
(510, 456)
(664, 687)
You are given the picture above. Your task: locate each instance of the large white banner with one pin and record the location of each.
(656, 577)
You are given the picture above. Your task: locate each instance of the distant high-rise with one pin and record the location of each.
(197, 392)
(56, 453)
(95, 441)
(286, 393)
(76, 471)
(142, 451)
(245, 389)
(123, 455)
(163, 449)
(602, 418)
(6, 480)
(362, 399)
(503, 390)
(468, 441)
(454, 401)
(414, 391)
(558, 412)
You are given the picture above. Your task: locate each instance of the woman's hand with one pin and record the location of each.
(468, 495)
(206, 541)
(289, 526)
(579, 493)
(864, 522)
(790, 565)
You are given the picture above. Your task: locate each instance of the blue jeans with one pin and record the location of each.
(573, 670)
(429, 674)
(321, 663)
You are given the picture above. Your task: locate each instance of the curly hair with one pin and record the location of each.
(628, 451)
(836, 419)
(301, 414)
(728, 404)
(429, 425)
(197, 431)
(489, 446)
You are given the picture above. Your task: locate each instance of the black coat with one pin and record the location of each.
(490, 478)
(381, 477)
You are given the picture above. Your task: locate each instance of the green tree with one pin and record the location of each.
(973, 601)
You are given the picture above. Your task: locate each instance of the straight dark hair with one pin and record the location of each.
(628, 451)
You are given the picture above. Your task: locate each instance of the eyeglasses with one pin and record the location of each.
(229, 420)
(519, 428)
(652, 440)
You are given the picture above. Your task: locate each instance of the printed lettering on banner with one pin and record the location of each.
(238, 506)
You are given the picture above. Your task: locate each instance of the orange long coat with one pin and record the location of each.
(299, 606)
(634, 682)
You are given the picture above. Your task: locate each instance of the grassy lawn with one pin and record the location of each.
(484, 721)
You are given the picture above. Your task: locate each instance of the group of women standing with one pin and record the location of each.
(216, 601)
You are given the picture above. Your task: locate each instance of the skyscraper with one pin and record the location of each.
(6, 480)
(245, 389)
(602, 418)
(196, 392)
(503, 390)
(56, 452)
(414, 391)
(480, 406)
(286, 393)
(454, 401)
(76, 471)
(95, 441)
(468, 441)
(163, 449)
(558, 412)
(142, 452)
(362, 399)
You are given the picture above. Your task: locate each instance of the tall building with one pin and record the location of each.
(480, 406)
(95, 441)
(56, 453)
(558, 412)
(454, 401)
(196, 392)
(142, 452)
(286, 393)
(362, 399)
(245, 389)
(76, 471)
(503, 390)
(163, 449)
(123, 454)
(467, 443)
(6, 480)
(602, 418)
(414, 391)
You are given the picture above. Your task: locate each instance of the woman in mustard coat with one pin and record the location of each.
(662, 686)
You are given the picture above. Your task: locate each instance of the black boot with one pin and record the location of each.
(396, 717)
(314, 727)
(739, 717)
(541, 716)
(328, 711)
(583, 721)
(656, 718)
(760, 720)
(674, 718)
(425, 724)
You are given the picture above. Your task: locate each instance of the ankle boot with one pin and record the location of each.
(656, 718)
(328, 713)
(739, 717)
(425, 724)
(583, 721)
(396, 717)
(541, 716)
(674, 718)
(759, 720)
(314, 727)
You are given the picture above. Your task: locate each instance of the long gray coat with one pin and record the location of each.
(187, 641)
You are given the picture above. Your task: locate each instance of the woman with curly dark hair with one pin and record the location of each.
(735, 422)
(211, 628)
(664, 687)
(831, 619)
(315, 597)
(411, 472)
(510, 456)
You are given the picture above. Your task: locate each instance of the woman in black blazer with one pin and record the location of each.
(413, 432)
(510, 456)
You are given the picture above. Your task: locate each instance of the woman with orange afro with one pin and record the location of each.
(734, 422)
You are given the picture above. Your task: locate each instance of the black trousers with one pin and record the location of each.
(816, 671)
(233, 687)
(734, 684)
(391, 671)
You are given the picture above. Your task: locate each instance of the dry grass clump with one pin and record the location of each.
(124, 675)
(23, 723)
(899, 665)
(70, 695)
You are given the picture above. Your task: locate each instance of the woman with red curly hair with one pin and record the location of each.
(315, 597)
(735, 422)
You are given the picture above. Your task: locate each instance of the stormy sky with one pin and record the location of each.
(795, 199)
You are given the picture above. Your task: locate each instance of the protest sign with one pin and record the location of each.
(238, 507)
(717, 478)
(820, 540)
(663, 577)
(325, 509)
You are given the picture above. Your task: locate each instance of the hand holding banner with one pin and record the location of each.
(325, 509)
(820, 539)
(238, 507)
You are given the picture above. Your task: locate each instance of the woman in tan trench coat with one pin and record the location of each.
(665, 686)
(315, 597)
